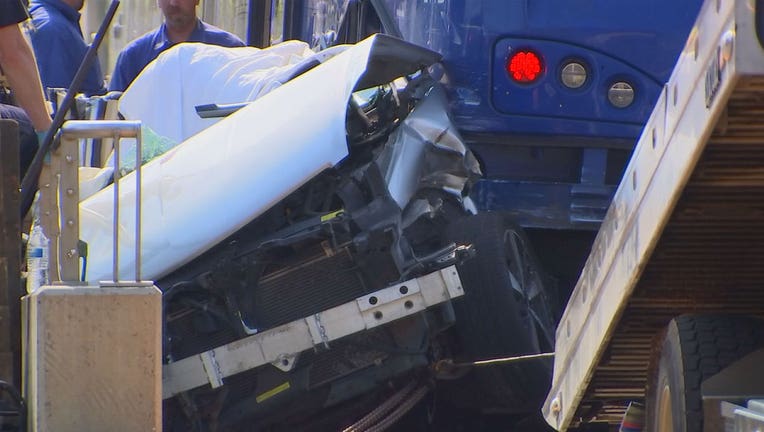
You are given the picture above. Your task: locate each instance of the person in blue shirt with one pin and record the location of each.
(59, 46)
(180, 25)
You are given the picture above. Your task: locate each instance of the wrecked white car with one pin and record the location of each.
(307, 241)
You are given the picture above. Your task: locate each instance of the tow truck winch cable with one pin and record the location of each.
(29, 183)
(450, 363)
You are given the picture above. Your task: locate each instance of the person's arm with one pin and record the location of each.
(18, 63)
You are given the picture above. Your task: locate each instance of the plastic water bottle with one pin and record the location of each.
(37, 258)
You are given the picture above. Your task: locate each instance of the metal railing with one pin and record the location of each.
(59, 197)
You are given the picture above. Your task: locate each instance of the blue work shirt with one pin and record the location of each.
(59, 46)
(140, 52)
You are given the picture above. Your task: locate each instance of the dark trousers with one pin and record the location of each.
(28, 137)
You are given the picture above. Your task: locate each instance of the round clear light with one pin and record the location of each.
(621, 94)
(573, 75)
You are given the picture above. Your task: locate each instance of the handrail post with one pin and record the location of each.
(59, 189)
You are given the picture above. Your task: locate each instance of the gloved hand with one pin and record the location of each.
(40, 137)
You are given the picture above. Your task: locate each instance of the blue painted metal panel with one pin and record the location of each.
(545, 205)
(542, 145)
(548, 97)
(618, 39)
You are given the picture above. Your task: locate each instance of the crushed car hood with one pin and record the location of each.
(219, 179)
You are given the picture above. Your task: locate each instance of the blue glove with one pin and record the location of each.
(40, 136)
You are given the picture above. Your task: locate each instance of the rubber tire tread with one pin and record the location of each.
(695, 348)
(489, 316)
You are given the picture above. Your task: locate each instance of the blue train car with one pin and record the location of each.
(550, 95)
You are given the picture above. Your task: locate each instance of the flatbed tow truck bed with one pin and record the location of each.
(685, 230)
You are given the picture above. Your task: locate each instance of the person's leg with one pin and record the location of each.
(27, 139)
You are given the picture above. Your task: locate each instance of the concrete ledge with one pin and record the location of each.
(93, 358)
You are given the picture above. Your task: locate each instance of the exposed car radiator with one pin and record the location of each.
(316, 282)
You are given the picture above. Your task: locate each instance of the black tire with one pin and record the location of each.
(695, 348)
(501, 317)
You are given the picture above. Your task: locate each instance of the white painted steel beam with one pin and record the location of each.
(284, 342)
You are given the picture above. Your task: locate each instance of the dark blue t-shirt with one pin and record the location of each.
(59, 47)
(140, 52)
(12, 12)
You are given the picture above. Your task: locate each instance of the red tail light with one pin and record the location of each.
(524, 66)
